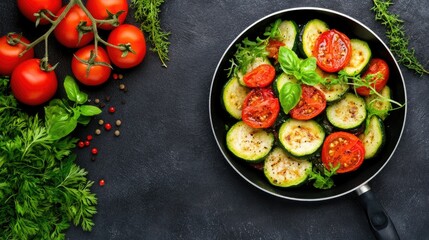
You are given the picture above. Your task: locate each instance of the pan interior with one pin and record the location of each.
(344, 183)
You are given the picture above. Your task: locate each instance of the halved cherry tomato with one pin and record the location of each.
(345, 149)
(29, 7)
(311, 104)
(261, 76)
(273, 48)
(67, 31)
(332, 50)
(9, 54)
(380, 71)
(260, 108)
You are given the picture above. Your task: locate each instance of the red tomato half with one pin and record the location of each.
(345, 149)
(98, 73)
(260, 108)
(100, 10)
(31, 85)
(67, 32)
(29, 7)
(332, 51)
(379, 68)
(311, 104)
(127, 34)
(261, 76)
(9, 54)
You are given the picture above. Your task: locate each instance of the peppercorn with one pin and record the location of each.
(87, 143)
(94, 151)
(115, 76)
(97, 131)
(81, 144)
(112, 109)
(97, 101)
(117, 133)
(107, 126)
(118, 122)
(101, 122)
(101, 182)
(122, 86)
(89, 137)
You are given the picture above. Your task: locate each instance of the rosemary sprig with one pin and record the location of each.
(396, 35)
(147, 13)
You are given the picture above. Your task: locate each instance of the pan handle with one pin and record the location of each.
(380, 222)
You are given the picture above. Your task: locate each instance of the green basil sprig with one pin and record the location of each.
(63, 115)
(304, 70)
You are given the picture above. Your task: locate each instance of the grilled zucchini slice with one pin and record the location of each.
(347, 113)
(249, 143)
(283, 170)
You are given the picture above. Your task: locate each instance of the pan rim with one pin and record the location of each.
(233, 42)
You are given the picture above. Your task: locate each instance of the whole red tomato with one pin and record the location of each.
(105, 9)
(9, 54)
(31, 85)
(123, 35)
(67, 32)
(98, 66)
(29, 7)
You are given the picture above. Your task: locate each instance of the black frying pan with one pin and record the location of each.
(345, 183)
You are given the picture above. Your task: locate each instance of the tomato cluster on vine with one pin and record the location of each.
(74, 25)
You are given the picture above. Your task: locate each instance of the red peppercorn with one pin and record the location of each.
(94, 151)
(107, 126)
(81, 144)
(101, 182)
(112, 109)
(89, 137)
(115, 76)
(87, 143)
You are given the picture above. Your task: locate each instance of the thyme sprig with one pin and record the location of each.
(397, 37)
(147, 13)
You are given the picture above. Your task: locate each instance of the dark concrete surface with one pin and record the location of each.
(165, 177)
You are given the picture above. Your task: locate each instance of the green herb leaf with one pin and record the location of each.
(398, 40)
(289, 62)
(61, 128)
(89, 110)
(290, 95)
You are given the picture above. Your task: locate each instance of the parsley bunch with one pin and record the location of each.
(42, 190)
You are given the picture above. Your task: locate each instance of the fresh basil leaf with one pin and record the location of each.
(55, 113)
(60, 129)
(73, 92)
(89, 110)
(84, 120)
(290, 95)
(71, 87)
(311, 78)
(308, 65)
(289, 61)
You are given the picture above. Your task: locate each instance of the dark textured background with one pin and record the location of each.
(165, 177)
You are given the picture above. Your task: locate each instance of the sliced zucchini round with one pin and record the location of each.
(258, 61)
(233, 96)
(281, 80)
(289, 33)
(379, 106)
(347, 113)
(309, 35)
(249, 143)
(332, 92)
(361, 54)
(374, 137)
(283, 170)
(301, 138)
